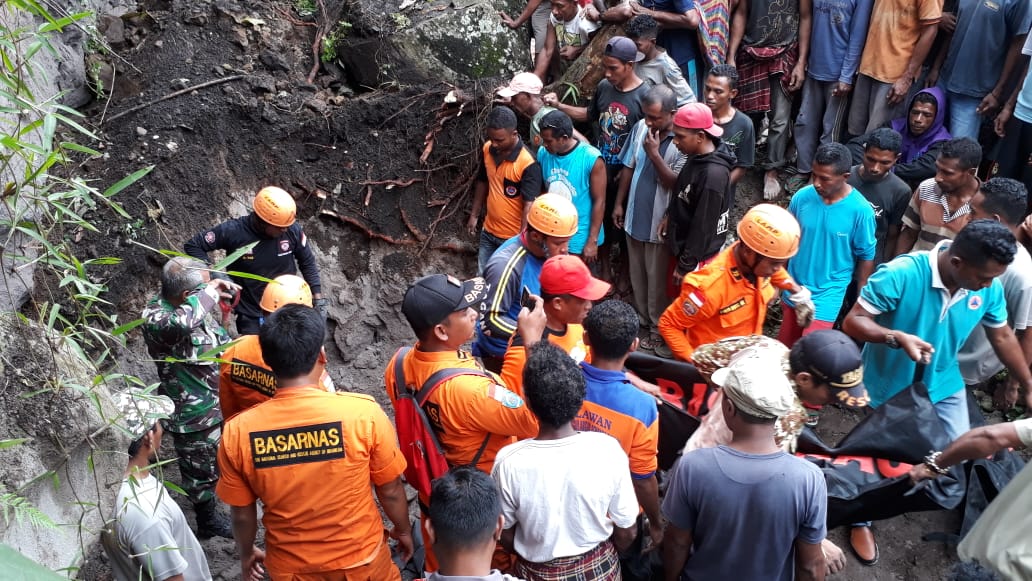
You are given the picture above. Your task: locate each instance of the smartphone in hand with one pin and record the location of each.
(527, 299)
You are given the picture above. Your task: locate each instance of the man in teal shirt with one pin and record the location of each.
(922, 306)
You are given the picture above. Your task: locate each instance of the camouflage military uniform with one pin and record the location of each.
(176, 337)
(713, 356)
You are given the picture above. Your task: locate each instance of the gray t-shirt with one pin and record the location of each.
(745, 512)
(150, 538)
(535, 128)
(662, 70)
(978, 362)
(740, 137)
(647, 199)
(985, 29)
(888, 197)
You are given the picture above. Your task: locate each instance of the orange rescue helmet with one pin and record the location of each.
(770, 230)
(275, 206)
(553, 215)
(286, 289)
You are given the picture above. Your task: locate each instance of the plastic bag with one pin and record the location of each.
(867, 471)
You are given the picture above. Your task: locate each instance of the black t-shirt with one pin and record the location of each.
(888, 197)
(615, 113)
(740, 137)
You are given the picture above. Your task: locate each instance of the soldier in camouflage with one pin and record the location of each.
(182, 324)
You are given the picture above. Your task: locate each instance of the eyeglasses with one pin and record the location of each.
(558, 132)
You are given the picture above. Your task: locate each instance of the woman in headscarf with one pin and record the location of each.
(923, 131)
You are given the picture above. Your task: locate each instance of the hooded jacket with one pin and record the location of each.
(700, 207)
(917, 154)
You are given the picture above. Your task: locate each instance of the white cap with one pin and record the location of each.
(755, 382)
(522, 83)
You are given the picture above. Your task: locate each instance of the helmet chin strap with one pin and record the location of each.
(749, 266)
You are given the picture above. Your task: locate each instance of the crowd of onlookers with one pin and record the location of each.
(886, 78)
(902, 130)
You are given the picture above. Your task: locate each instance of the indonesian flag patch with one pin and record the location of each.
(692, 303)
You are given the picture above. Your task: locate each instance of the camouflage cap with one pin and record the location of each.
(139, 410)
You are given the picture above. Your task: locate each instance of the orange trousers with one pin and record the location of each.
(379, 568)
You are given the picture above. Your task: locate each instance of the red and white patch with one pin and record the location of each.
(974, 302)
(209, 237)
(284, 245)
(692, 303)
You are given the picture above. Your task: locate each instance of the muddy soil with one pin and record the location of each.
(380, 206)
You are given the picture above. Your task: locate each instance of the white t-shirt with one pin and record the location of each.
(566, 495)
(150, 538)
(574, 32)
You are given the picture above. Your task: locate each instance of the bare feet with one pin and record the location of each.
(771, 186)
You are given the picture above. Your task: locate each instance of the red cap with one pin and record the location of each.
(697, 116)
(568, 275)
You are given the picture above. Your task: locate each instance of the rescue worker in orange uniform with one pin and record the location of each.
(729, 295)
(245, 379)
(314, 460)
(474, 416)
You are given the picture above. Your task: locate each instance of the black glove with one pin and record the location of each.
(323, 306)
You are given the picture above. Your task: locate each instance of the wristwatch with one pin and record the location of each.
(891, 341)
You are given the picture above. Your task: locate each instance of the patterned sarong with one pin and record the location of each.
(598, 564)
(756, 68)
(713, 30)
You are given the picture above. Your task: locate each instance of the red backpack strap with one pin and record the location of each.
(399, 369)
(434, 381)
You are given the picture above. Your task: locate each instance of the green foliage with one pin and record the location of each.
(50, 204)
(400, 20)
(305, 8)
(571, 94)
(44, 206)
(331, 42)
(18, 509)
(17, 566)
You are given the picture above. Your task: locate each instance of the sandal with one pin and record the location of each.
(650, 342)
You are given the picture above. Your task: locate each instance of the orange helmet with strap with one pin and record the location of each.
(553, 215)
(770, 230)
(286, 289)
(275, 206)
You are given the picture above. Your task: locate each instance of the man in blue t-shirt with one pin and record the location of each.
(837, 35)
(748, 510)
(838, 227)
(574, 170)
(922, 306)
(551, 221)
